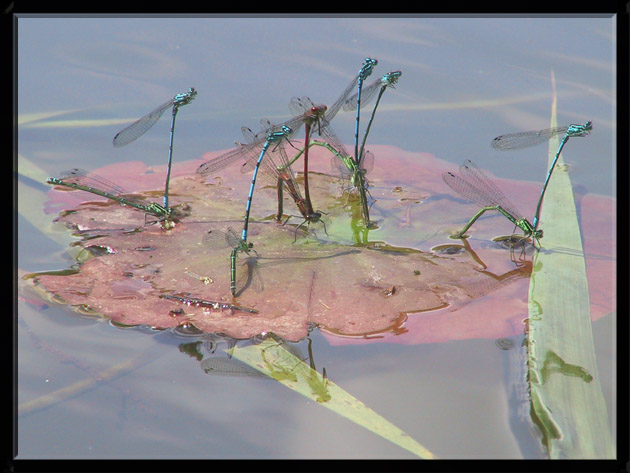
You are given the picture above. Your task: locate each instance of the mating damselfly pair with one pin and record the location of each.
(274, 163)
(264, 152)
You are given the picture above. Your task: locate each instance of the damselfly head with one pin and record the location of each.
(580, 130)
(391, 78)
(191, 94)
(185, 98)
(318, 109)
(536, 236)
(167, 224)
(366, 68)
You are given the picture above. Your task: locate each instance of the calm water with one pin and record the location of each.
(465, 80)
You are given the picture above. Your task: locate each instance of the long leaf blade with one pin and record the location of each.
(567, 400)
(270, 358)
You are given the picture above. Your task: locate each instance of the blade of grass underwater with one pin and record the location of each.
(567, 400)
(270, 358)
(50, 120)
(27, 118)
(31, 201)
(28, 168)
(94, 379)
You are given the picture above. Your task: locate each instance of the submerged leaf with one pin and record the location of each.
(273, 360)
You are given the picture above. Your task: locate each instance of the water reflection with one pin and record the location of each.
(276, 359)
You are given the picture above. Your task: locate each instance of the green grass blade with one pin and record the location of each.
(31, 201)
(270, 358)
(567, 400)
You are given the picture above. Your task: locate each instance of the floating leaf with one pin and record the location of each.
(345, 289)
(351, 282)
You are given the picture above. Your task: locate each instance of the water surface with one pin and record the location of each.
(465, 81)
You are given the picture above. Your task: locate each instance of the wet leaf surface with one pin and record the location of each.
(405, 278)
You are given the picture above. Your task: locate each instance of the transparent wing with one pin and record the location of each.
(140, 126)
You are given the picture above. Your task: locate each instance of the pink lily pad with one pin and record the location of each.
(406, 281)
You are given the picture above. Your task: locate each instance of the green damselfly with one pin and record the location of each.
(80, 179)
(344, 166)
(216, 239)
(526, 139)
(473, 185)
(143, 124)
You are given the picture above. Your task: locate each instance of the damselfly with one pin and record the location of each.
(89, 182)
(530, 138)
(386, 81)
(364, 73)
(272, 137)
(325, 131)
(243, 245)
(312, 115)
(216, 239)
(241, 153)
(473, 185)
(352, 166)
(344, 166)
(230, 367)
(276, 169)
(142, 125)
